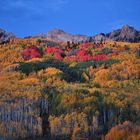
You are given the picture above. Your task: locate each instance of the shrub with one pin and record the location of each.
(31, 52)
(125, 131)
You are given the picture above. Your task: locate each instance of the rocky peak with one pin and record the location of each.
(126, 33)
(61, 36)
(128, 30)
(5, 36)
(56, 31)
(127, 27)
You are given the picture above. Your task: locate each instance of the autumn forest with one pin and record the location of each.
(68, 90)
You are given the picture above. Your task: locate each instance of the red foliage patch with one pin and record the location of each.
(100, 57)
(31, 52)
(53, 50)
(81, 53)
(58, 56)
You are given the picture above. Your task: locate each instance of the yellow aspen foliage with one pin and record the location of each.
(102, 76)
(29, 81)
(49, 72)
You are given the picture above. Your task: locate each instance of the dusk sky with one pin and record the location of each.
(30, 17)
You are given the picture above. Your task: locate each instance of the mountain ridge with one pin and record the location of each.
(125, 34)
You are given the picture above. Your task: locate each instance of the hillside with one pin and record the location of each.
(69, 90)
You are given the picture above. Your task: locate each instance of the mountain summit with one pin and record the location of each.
(5, 36)
(125, 34)
(60, 35)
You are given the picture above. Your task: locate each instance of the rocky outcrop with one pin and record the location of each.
(126, 34)
(5, 36)
(61, 36)
(100, 37)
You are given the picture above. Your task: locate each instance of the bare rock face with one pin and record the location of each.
(61, 36)
(5, 36)
(79, 38)
(126, 34)
(100, 37)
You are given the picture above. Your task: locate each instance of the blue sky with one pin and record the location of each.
(30, 17)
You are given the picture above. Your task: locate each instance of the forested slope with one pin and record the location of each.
(69, 90)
